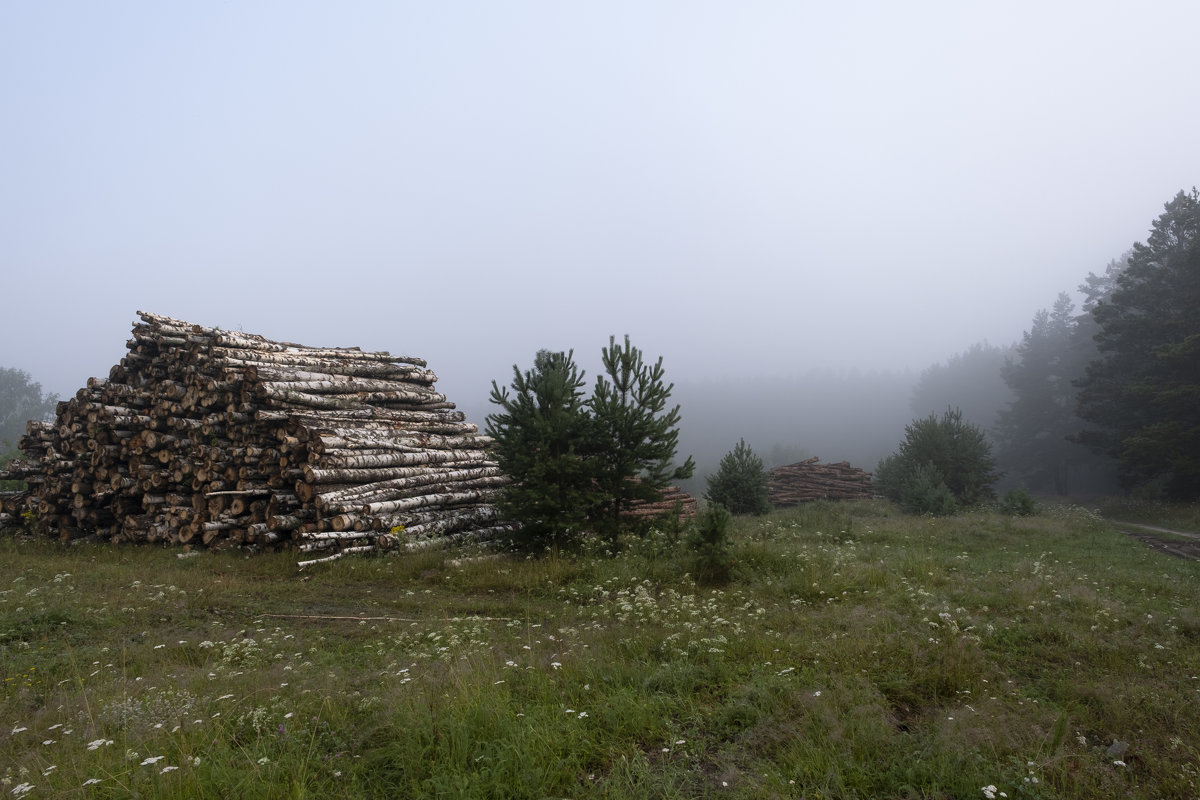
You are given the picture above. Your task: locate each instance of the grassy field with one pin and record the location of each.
(856, 653)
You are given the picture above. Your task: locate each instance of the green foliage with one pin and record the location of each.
(710, 545)
(5, 458)
(21, 400)
(943, 464)
(916, 488)
(740, 484)
(636, 435)
(578, 463)
(927, 493)
(542, 438)
(1018, 503)
(1141, 396)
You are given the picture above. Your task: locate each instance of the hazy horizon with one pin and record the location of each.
(750, 192)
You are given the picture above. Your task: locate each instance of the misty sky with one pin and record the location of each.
(750, 188)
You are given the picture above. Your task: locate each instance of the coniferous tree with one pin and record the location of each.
(740, 484)
(1142, 394)
(1033, 430)
(542, 434)
(637, 435)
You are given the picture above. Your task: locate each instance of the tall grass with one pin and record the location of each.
(854, 653)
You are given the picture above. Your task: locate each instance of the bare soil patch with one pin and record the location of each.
(1182, 544)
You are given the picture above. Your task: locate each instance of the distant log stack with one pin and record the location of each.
(205, 436)
(810, 480)
(675, 501)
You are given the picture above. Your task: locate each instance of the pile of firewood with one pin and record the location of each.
(674, 502)
(206, 436)
(809, 480)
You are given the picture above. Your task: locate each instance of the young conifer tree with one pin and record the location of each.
(542, 433)
(636, 436)
(740, 484)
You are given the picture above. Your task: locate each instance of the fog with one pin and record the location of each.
(799, 208)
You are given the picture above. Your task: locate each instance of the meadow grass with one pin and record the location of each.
(856, 653)
(1178, 516)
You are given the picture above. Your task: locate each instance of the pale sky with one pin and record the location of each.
(750, 188)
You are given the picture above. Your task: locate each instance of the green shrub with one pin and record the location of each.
(740, 484)
(1018, 503)
(942, 465)
(927, 493)
(712, 560)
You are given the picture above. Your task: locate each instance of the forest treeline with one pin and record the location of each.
(1093, 399)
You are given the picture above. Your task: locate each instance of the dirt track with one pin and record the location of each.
(1186, 546)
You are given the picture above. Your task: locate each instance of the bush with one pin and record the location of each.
(712, 560)
(942, 465)
(740, 484)
(927, 493)
(1018, 503)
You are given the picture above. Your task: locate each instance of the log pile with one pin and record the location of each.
(810, 480)
(674, 501)
(213, 437)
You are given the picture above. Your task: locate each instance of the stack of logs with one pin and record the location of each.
(207, 436)
(675, 502)
(809, 480)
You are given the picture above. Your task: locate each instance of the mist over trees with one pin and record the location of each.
(971, 381)
(21, 400)
(837, 416)
(1036, 431)
(1114, 387)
